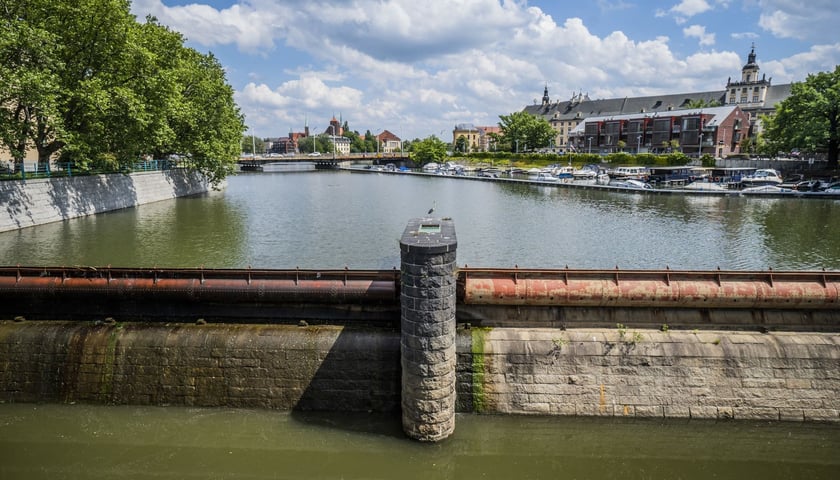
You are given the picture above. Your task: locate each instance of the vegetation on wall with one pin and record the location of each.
(87, 81)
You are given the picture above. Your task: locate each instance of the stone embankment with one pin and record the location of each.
(582, 372)
(41, 201)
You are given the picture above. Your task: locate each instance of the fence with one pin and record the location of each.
(31, 170)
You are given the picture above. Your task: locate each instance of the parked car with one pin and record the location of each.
(315, 154)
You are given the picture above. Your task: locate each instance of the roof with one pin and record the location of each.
(586, 108)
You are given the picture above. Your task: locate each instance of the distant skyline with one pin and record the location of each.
(417, 68)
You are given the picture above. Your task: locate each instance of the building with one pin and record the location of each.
(389, 142)
(477, 139)
(754, 95)
(715, 131)
(335, 132)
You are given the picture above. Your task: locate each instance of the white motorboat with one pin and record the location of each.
(586, 172)
(630, 183)
(767, 189)
(543, 177)
(762, 176)
(705, 186)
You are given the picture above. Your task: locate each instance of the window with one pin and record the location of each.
(755, 98)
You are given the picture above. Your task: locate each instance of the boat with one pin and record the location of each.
(431, 167)
(586, 172)
(705, 186)
(543, 177)
(630, 183)
(761, 177)
(565, 173)
(636, 173)
(668, 177)
(767, 189)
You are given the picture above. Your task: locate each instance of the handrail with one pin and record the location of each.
(198, 284)
(651, 288)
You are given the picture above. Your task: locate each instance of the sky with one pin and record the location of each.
(419, 67)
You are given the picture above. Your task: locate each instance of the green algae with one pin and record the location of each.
(479, 398)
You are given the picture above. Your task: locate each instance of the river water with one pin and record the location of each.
(89, 442)
(335, 219)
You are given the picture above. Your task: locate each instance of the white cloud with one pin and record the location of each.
(815, 21)
(819, 58)
(420, 66)
(242, 25)
(699, 32)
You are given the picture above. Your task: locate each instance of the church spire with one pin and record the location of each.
(545, 100)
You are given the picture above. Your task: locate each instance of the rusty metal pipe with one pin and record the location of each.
(231, 286)
(654, 288)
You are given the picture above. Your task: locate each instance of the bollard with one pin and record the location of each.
(427, 328)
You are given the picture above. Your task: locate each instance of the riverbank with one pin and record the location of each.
(701, 189)
(47, 200)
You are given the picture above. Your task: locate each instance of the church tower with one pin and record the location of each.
(750, 91)
(545, 100)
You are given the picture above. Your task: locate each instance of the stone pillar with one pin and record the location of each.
(427, 333)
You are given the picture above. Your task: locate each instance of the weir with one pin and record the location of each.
(428, 340)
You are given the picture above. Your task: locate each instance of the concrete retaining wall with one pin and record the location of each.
(266, 366)
(648, 373)
(43, 201)
(592, 372)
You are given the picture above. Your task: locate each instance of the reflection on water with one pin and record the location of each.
(337, 219)
(62, 441)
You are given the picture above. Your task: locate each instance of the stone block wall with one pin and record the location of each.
(648, 373)
(41, 201)
(581, 372)
(255, 366)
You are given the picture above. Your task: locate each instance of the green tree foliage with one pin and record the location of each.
(530, 131)
(461, 144)
(318, 143)
(702, 103)
(809, 119)
(85, 79)
(430, 149)
(252, 144)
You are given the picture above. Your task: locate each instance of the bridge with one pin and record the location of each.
(323, 160)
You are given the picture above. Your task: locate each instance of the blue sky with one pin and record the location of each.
(418, 67)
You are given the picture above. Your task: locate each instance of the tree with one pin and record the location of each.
(314, 144)
(87, 80)
(702, 103)
(252, 144)
(528, 130)
(430, 149)
(809, 119)
(461, 144)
